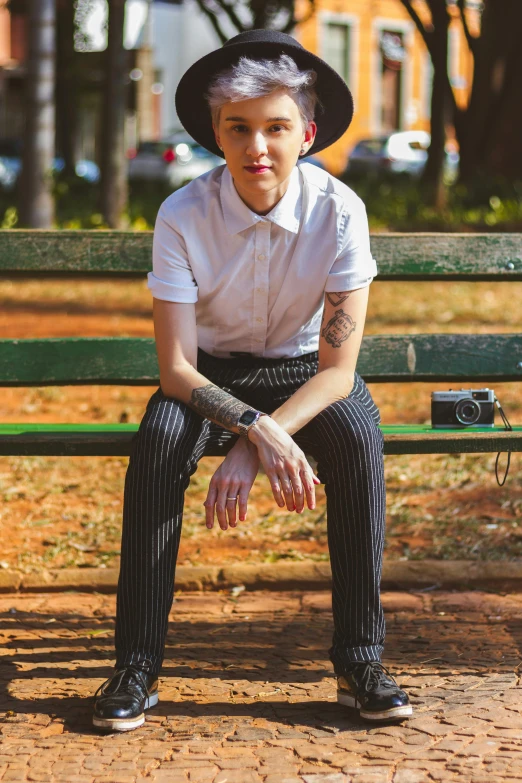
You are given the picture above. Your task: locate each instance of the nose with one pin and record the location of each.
(257, 145)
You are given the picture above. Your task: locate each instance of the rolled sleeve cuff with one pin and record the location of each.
(160, 289)
(350, 281)
(344, 282)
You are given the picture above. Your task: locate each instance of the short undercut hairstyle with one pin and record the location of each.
(256, 78)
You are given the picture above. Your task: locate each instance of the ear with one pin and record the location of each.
(309, 136)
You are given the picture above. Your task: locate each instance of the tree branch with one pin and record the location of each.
(213, 20)
(418, 23)
(228, 8)
(472, 41)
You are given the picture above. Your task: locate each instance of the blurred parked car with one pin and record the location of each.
(403, 152)
(175, 160)
(11, 165)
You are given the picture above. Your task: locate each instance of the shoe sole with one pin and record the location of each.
(395, 712)
(125, 724)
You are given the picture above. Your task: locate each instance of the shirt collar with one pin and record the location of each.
(237, 216)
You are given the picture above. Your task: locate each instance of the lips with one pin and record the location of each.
(257, 169)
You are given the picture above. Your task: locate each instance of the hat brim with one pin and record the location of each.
(332, 119)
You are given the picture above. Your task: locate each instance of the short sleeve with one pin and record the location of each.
(354, 266)
(171, 278)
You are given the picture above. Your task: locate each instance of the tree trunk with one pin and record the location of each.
(501, 153)
(114, 191)
(37, 204)
(66, 89)
(488, 131)
(433, 174)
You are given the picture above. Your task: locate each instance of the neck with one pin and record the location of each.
(262, 202)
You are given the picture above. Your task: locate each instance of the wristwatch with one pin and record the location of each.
(247, 420)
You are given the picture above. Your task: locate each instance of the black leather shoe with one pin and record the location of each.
(123, 698)
(370, 688)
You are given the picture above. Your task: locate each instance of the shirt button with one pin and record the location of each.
(261, 290)
(259, 320)
(261, 257)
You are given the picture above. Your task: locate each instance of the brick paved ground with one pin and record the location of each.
(247, 694)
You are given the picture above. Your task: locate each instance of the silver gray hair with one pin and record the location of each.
(256, 78)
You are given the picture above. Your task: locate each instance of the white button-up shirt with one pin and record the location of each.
(258, 281)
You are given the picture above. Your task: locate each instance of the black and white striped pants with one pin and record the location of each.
(347, 444)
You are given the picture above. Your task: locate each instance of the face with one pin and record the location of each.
(261, 139)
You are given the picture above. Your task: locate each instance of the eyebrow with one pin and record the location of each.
(270, 119)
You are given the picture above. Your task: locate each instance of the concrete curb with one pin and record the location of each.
(305, 575)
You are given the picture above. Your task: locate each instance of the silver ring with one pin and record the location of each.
(235, 498)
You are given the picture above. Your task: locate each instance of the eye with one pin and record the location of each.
(239, 128)
(277, 128)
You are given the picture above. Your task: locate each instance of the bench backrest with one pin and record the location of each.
(392, 357)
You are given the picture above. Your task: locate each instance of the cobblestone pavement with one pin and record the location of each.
(247, 692)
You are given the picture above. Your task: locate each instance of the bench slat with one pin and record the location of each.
(422, 256)
(115, 440)
(383, 358)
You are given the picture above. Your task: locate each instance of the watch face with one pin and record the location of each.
(248, 417)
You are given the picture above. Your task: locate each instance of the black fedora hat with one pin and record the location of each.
(332, 118)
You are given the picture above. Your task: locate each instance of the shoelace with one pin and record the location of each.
(118, 676)
(374, 673)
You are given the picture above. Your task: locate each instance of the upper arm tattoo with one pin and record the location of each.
(216, 404)
(341, 325)
(337, 299)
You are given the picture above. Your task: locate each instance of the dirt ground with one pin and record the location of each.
(60, 512)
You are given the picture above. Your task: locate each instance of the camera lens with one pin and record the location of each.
(467, 411)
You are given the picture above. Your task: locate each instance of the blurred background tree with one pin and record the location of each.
(435, 36)
(489, 128)
(56, 31)
(36, 200)
(254, 14)
(114, 190)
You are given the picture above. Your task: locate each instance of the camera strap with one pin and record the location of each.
(507, 426)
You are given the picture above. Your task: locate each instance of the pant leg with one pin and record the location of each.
(165, 453)
(164, 456)
(348, 445)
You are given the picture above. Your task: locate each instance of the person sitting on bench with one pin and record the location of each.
(260, 283)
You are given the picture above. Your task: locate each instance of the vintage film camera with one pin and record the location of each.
(463, 408)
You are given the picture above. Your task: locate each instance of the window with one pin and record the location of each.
(393, 56)
(337, 47)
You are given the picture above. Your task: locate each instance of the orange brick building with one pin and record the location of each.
(12, 70)
(376, 47)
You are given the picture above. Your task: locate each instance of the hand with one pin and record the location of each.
(285, 464)
(235, 476)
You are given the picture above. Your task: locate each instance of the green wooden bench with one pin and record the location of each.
(456, 358)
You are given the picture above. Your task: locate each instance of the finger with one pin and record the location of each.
(243, 498)
(298, 490)
(231, 506)
(209, 506)
(276, 488)
(309, 487)
(286, 486)
(221, 508)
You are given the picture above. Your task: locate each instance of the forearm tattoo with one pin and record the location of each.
(341, 325)
(214, 403)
